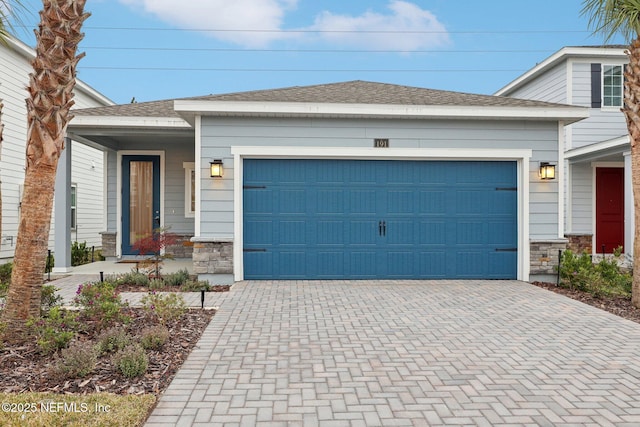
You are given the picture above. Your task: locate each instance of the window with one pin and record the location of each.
(74, 204)
(612, 81)
(189, 189)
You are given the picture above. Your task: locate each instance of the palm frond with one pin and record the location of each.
(11, 13)
(611, 17)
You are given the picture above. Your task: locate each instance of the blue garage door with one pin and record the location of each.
(356, 219)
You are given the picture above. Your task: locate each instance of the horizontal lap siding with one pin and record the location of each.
(218, 135)
(550, 86)
(14, 72)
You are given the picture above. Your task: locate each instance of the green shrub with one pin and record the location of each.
(154, 337)
(167, 308)
(178, 278)
(5, 272)
(76, 361)
(49, 298)
(80, 254)
(156, 284)
(133, 278)
(55, 330)
(195, 286)
(113, 339)
(101, 303)
(604, 278)
(4, 288)
(131, 361)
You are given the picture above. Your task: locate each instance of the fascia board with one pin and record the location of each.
(128, 122)
(561, 55)
(190, 108)
(621, 143)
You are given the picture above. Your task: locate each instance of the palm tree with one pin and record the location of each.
(611, 17)
(51, 97)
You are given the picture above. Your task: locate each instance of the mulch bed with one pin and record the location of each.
(23, 369)
(619, 306)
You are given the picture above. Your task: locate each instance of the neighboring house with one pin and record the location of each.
(86, 213)
(345, 180)
(598, 192)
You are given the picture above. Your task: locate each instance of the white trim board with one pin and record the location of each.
(522, 157)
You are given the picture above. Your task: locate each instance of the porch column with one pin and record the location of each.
(629, 214)
(62, 210)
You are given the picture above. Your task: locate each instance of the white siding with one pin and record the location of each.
(603, 123)
(551, 86)
(14, 77)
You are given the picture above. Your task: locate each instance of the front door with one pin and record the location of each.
(140, 199)
(609, 209)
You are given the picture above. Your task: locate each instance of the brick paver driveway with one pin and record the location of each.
(407, 353)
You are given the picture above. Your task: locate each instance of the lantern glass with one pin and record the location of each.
(216, 169)
(547, 171)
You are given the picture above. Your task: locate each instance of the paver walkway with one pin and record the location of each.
(406, 353)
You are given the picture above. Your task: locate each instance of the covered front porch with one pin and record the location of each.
(149, 183)
(600, 212)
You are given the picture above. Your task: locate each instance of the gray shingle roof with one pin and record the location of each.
(353, 92)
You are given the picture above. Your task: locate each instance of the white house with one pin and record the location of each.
(338, 181)
(598, 192)
(86, 214)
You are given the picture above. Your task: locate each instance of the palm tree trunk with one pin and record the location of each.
(51, 97)
(631, 110)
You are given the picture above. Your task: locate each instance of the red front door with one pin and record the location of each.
(609, 209)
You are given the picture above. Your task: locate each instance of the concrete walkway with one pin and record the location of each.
(480, 353)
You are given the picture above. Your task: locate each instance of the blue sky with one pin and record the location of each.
(161, 49)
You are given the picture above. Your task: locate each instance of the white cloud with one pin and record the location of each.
(408, 27)
(405, 27)
(230, 15)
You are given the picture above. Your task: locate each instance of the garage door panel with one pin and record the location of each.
(259, 202)
(471, 264)
(363, 264)
(380, 219)
(471, 233)
(432, 264)
(292, 201)
(364, 232)
(433, 232)
(432, 202)
(330, 264)
(401, 202)
(400, 232)
(292, 232)
(502, 264)
(258, 233)
(330, 201)
(330, 232)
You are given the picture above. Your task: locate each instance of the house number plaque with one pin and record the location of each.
(381, 143)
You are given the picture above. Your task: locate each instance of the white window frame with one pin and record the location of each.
(606, 67)
(189, 189)
(73, 202)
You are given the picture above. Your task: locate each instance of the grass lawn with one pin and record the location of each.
(59, 410)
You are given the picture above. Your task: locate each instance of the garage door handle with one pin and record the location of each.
(382, 228)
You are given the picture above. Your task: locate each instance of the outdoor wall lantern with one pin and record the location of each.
(547, 171)
(216, 168)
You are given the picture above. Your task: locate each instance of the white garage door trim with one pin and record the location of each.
(522, 157)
